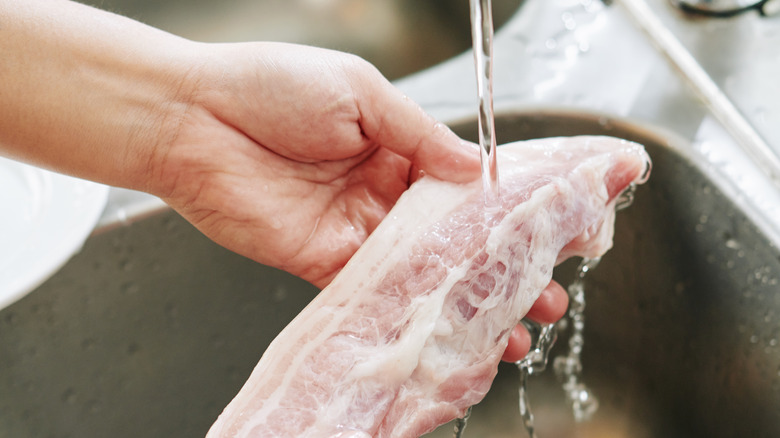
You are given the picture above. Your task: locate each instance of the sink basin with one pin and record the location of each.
(682, 333)
(399, 37)
(152, 328)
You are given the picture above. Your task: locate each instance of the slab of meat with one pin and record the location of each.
(410, 333)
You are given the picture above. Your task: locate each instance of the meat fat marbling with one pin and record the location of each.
(410, 333)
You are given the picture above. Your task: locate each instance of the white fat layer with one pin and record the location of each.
(427, 202)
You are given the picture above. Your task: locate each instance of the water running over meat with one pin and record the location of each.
(482, 36)
(534, 363)
(410, 333)
(460, 423)
(482, 41)
(568, 368)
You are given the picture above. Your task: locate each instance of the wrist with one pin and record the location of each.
(87, 92)
(163, 97)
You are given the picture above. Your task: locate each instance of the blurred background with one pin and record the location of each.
(398, 37)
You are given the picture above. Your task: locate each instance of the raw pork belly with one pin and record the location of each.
(410, 333)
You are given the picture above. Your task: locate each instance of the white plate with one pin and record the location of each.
(45, 218)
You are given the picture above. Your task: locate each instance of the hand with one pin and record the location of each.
(292, 155)
(241, 139)
(315, 142)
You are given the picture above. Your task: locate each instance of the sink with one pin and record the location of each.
(151, 329)
(399, 37)
(682, 333)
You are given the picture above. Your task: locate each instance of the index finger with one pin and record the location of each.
(394, 121)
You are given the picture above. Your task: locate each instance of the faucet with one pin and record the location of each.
(724, 110)
(727, 8)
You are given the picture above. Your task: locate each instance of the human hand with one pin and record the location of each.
(241, 139)
(292, 155)
(315, 142)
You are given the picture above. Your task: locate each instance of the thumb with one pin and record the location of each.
(393, 121)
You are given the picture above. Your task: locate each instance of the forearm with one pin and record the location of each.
(86, 92)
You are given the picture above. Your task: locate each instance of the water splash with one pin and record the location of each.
(625, 199)
(460, 424)
(482, 37)
(534, 362)
(525, 405)
(568, 368)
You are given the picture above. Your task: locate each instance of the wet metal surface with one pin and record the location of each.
(398, 36)
(152, 328)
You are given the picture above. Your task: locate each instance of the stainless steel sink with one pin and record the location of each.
(683, 314)
(399, 37)
(151, 329)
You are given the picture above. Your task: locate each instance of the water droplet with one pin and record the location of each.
(129, 288)
(733, 244)
(545, 336)
(583, 402)
(69, 396)
(565, 366)
(126, 265)
(169, 224)
(92, 407)
(460, 423)
(568, 21)
(534, 362)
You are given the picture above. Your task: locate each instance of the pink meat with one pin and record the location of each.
(410, 333)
